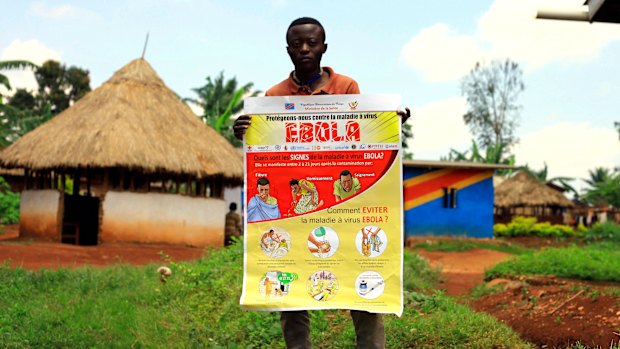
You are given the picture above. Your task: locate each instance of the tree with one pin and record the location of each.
(604, 188)
(12, 65)
(220, 100)
(494, 154)
(60, 86)
(617, 125)
(492, 92)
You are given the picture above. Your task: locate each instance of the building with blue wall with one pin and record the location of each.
(448, 198)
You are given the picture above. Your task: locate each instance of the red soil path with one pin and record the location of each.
(34, 255)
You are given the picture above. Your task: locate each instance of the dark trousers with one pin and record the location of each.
(369, 330)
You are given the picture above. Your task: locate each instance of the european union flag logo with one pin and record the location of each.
(289, 106)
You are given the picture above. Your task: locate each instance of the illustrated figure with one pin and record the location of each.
(273, 244)
(305, 196)
(305, 38)
(263, 206)
(346, 185)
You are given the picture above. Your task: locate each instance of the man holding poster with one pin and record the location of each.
(306, 45)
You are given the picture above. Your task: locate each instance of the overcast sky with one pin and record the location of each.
(418, 49)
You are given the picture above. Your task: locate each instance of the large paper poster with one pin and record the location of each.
(323, 204)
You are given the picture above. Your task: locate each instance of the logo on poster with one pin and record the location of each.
(353, 105)
(289, 106)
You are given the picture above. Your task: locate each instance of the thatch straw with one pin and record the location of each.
(132, 121)
(525, 190)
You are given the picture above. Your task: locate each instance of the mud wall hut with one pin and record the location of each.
(128, 162)
(524, 195)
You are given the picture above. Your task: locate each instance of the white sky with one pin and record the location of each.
(417, 49)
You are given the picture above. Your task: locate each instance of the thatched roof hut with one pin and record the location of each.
(104, 169)
(132, 121)
(523, 194)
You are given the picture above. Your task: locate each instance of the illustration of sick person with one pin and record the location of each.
(305, 196)
(345, 186)
(263, 206)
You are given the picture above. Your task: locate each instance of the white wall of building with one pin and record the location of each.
(39, 214)
(162, 218)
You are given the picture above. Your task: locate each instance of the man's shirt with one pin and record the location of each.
(336, 85)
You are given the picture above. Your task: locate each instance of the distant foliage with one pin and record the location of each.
(9, 204)
(607, 231)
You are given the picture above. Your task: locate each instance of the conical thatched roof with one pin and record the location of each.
(525, 190)
(131, 121)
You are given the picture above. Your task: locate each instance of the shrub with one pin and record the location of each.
(9, 204)
(607, 231)
(521, 226)
(528, 226)
(500, 230)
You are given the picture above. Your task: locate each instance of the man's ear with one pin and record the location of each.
(325, 49)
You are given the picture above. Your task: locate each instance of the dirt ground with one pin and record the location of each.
(546, 311)
(33, 255)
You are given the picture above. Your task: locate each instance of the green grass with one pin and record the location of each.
(598, 262)
(123, 306)
(461, 245)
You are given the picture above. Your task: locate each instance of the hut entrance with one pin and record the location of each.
(80, 221)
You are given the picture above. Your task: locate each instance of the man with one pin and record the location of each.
(305, 38)
(346, 186)
(263, 206)
(233, 224)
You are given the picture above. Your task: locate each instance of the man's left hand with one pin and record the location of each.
(404, 115)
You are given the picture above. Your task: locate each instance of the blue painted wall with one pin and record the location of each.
(473, 216)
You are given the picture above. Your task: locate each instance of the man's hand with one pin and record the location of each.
(404, 115)
(241, 124)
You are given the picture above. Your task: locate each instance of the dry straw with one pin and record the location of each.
(132, 121)
(525, 190)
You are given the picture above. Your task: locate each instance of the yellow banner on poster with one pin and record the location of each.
(323, 211)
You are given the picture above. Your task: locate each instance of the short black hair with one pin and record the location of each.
(233, 206)
(293, 182)
(262, 181)
(305, 20)
(345, 173)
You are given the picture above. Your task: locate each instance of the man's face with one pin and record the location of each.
(263, 192)
(346, 182)
(296, 188)
(306, 45)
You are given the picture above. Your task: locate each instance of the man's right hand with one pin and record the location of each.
(241, 124)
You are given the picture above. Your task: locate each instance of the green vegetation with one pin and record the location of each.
(607, 231)
(597, 261)
(124, 306)
(9, 204)
(528, 226)
(461, 245)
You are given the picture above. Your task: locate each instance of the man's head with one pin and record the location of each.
(262, 185)
(232, 206)
(305, 39)
(346, 180)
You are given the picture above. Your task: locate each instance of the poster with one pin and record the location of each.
(323, 210)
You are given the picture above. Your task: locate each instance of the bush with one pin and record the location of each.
(9, 204)
(607, 231)
(528, 226)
